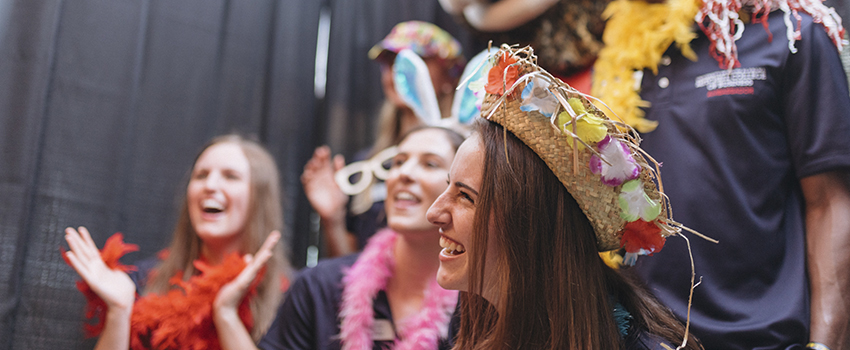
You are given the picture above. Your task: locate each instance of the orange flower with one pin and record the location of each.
(503, 75)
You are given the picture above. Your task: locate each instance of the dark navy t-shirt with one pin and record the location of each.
(140, 275)
(734, 148)
(308, 317)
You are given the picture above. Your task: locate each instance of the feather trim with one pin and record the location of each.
(183, 317)
(180, 319)
(368, 276)
(638, 33)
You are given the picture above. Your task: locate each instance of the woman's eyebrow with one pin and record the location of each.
(463, 185)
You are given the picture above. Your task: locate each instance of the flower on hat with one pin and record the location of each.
(641, 238)
(503, 75)
(589, 128)
(478, 86)
(619, 165)
(634, 203)
(537, 97)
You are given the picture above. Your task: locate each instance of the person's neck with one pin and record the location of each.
(416, 263)
(214, 254)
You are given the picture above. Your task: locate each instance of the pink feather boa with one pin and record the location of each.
(369, 275)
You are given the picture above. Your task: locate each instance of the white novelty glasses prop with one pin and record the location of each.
(377, 167)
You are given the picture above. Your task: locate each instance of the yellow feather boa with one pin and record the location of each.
(635, 37)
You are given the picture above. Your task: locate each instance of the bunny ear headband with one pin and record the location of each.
(413, 83)
(411, 41)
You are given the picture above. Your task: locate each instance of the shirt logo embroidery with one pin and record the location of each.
(737, 82)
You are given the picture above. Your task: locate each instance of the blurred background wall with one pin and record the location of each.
(105, 103)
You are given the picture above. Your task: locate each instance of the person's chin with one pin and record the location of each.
(448, 281)
(452, 270)
(215, 233)
(403, 223)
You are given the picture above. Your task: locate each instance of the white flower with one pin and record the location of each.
(537, 97)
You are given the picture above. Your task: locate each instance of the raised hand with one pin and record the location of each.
(232, 334)
(113, 286)
(319, 185)
(230, 295)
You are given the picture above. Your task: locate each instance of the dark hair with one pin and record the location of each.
(553, 289)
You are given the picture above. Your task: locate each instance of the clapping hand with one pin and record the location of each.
(230, 295)
(113, 286)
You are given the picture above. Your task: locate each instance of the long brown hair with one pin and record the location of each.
(553, 289)
(265, 215)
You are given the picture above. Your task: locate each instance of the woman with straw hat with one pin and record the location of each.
(543, 184)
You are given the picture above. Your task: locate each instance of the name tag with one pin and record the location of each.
(382, 330)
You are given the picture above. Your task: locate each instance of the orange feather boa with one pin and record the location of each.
(180, 319)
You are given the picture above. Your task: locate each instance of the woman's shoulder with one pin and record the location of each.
(326, 272)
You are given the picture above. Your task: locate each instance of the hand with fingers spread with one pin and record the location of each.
(112, 285)
(232, 332)
(319, 185)
(231, 294)
(328, 200)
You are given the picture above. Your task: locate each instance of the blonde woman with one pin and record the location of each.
(231, 209)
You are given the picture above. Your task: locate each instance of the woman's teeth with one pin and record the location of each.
(212, 206)
(450, 247)
(405, 196)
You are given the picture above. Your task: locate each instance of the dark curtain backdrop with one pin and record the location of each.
(105, 103)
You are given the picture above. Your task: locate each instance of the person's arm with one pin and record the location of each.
(113, 286)
(455, 7)
(328, 200)
(827, 198)
(232, 333)
(499, 16)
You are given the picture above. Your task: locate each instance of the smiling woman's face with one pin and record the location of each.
(219, 194)
(454, 213)
(417, 177)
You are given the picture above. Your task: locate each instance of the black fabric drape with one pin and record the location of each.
(105, 103)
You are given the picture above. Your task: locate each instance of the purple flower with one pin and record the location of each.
(620, 166)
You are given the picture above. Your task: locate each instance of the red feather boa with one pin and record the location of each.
(180, 319)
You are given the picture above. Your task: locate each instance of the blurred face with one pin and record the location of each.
(417, 177)
(219, 194)
(454, 213)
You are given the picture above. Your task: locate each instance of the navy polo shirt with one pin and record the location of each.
(308, 317)
(734, 148)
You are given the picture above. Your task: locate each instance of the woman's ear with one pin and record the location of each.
(388, 85)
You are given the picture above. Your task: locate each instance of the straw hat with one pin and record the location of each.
(597, 159)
